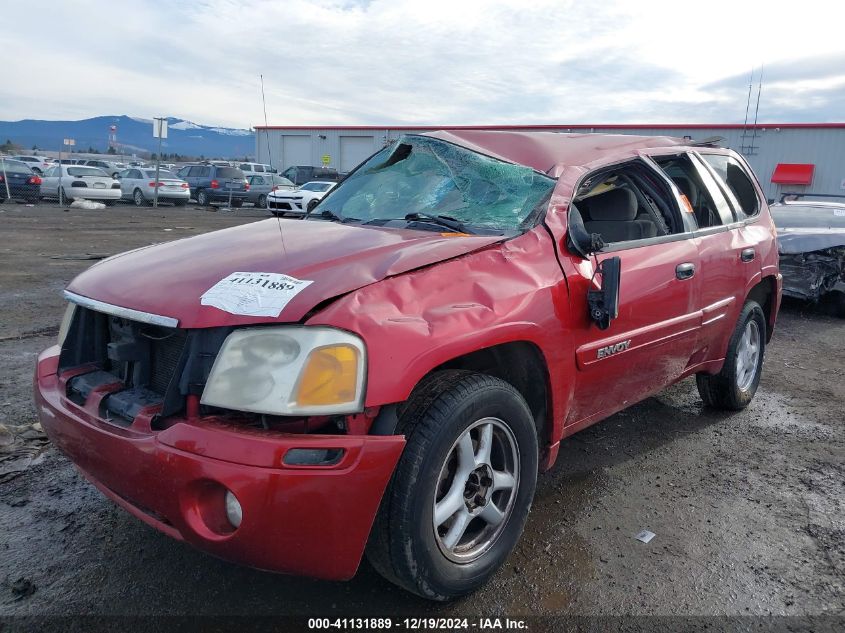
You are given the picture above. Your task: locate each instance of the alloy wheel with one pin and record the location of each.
(476, 490)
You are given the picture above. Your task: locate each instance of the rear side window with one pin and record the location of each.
(736, 180)
(85, 171)
(259, 168)
(699, 190)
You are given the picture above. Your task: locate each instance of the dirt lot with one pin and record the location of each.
(748, 509)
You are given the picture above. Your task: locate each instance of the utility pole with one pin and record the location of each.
(159, 130)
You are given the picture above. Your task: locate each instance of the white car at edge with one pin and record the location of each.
(299, 200)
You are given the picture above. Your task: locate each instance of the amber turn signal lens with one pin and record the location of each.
(330, 376)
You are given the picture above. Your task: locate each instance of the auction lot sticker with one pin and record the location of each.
(254, 294)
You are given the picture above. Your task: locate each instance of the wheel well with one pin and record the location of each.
(522, 365)
(764, 294)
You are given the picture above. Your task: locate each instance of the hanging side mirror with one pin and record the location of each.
(604, 303)
(578, 239)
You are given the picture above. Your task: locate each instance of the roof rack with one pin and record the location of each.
(710, 141)
(796, 194)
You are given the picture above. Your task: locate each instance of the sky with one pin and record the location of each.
(432, 62)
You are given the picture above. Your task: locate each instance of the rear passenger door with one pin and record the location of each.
(652, 340)
(727, 250)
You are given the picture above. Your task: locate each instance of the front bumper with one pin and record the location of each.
(308, 520)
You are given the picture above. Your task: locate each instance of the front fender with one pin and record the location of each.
(415, 322)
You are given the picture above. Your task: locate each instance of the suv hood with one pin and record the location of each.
(169, 279)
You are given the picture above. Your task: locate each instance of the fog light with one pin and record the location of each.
(313, 456)
(234, 512)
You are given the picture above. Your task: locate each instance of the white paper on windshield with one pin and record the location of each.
(254, 294)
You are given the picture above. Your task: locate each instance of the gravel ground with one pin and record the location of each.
(747, 507)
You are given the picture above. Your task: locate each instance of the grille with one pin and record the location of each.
(165, 355)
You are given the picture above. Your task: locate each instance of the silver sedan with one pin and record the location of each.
(139, 185)
(261, 185)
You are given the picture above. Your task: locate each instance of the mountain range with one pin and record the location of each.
(134, 136)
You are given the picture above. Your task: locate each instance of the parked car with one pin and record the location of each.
(250, 169)
(300, 174)
(139, 185)
(390, 374)
(811, 242)
(300, 200)
(110, 167)
(69, 182)
(262, 186)
(18, 180)
(36, 163)
(212, 183)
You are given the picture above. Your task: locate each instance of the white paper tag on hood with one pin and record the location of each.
(254, 294)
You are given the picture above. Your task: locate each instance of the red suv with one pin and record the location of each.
(390, 373)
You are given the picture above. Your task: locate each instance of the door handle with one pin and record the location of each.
(747, 254)
(685, 270)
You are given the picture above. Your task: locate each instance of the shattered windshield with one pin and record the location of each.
(419, 175)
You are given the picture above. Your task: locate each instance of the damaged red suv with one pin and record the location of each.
(389, 374)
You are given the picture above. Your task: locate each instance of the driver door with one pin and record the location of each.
(653, 338)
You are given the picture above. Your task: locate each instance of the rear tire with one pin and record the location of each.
(63, 197)
(833, 303)
(262, 201)
(237, 204)
(109, 203)
(180, 203)
(445, 422)
(733, 388)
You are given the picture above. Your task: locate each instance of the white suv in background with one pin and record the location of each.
(251, 169)
(38, 164)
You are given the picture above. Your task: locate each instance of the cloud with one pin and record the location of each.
(437, 62)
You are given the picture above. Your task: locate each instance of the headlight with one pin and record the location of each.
(67, 319)
(289, 370)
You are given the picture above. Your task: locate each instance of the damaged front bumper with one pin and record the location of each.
(812, 262)
(300, 519)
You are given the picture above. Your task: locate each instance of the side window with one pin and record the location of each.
(736, 180)
(699, 190)
(627, 203)
(52, 172)
(259, 168)
(289, 173)
(195, 172)
(245, 166)
(205, 172)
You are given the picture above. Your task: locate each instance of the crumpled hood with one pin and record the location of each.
(169, 279)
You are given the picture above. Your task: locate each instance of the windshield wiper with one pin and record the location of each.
(442, 220)
(328, 214)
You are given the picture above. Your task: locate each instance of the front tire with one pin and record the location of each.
(262, 201)
(138, 198)
(63, 198)
(734, 387)
(458, 500)
(311, 205)
(202, 198)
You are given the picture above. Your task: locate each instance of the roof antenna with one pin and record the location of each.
(747, 107)
(266, 131)
(757, 108)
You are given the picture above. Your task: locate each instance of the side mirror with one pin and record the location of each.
(578, 239)
(604, 303)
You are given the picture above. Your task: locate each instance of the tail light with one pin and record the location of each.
(79, 183)
(275, 188)
(2, 179)
(184, 185)
(215, 184)
(246, 186)
(153, 184)
(34, 180)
